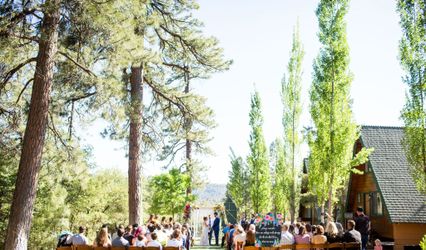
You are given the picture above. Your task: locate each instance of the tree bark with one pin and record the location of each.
(29, 165)
(188, 142)
(135, 141)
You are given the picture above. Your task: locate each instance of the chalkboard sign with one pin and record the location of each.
(268, 236)
(268, 230)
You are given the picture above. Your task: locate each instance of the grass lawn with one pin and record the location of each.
(205, 247)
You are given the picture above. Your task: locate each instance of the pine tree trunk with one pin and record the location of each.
(135, 141)
(29, 166)
(188, 143)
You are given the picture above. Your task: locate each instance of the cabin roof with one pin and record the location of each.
(404, 203)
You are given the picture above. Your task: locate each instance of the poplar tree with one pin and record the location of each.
(413, 60)
(282, 179)
(291, 89)
(258, 160)
(238, 184)
(331, 142)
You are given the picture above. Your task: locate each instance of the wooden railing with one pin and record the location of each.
(81, 247)
(343, 246)
(336, 246)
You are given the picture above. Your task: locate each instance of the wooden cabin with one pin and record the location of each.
(386, 190)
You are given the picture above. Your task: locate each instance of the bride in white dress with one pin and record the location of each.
(205, 233)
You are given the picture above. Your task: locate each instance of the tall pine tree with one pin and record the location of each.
(258, 160)
(413, 60)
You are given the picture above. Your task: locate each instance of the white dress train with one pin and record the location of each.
(205, 235)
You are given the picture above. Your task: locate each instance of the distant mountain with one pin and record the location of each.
(210, 195)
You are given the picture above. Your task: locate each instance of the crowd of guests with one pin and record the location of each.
(244, 234)
(154, 233)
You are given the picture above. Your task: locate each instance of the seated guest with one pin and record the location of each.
(176, 239)
(188, 236)
(154, 242)
(319, 237)
(151, 228)
(230, 237)
(239, 237)
(150, 219)
(250, 238)
(313, 230)
(332, 233)
(378, 245)
(139, 242)
(168, 230)
(102, 240)
(309, 230)
(136, 230)
(80, 239)
(340, 229)
(184, 236)
(225, 231)
(177, 225)
(352, 235)
(303, 237)
(296, 228)
(286, 237)
(128, 235)
(120, 241)
(291, 229)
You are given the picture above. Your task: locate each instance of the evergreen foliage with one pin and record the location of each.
(331, 142)
(291, 91)
(281, 178)
(238, 184)
(258, 160)
(97, 44)
(413, 60)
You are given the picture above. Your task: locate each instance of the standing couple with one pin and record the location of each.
(209, 227)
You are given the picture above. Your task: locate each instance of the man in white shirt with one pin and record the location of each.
(176, 240)
(286, 237)
(79, 239)
(120, 241)
(154, 242)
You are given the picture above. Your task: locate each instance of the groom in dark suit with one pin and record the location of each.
(215, 228)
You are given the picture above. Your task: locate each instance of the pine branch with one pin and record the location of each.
(77, 98)
(23, 89)
(12, 72)
(84, 68)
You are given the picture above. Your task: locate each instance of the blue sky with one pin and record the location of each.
(257, 36)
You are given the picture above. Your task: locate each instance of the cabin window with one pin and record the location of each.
(359, 200)
(367, 168)
(377, 204)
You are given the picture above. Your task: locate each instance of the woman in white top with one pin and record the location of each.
(239, 238)
(154, 242)
(176, 240)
